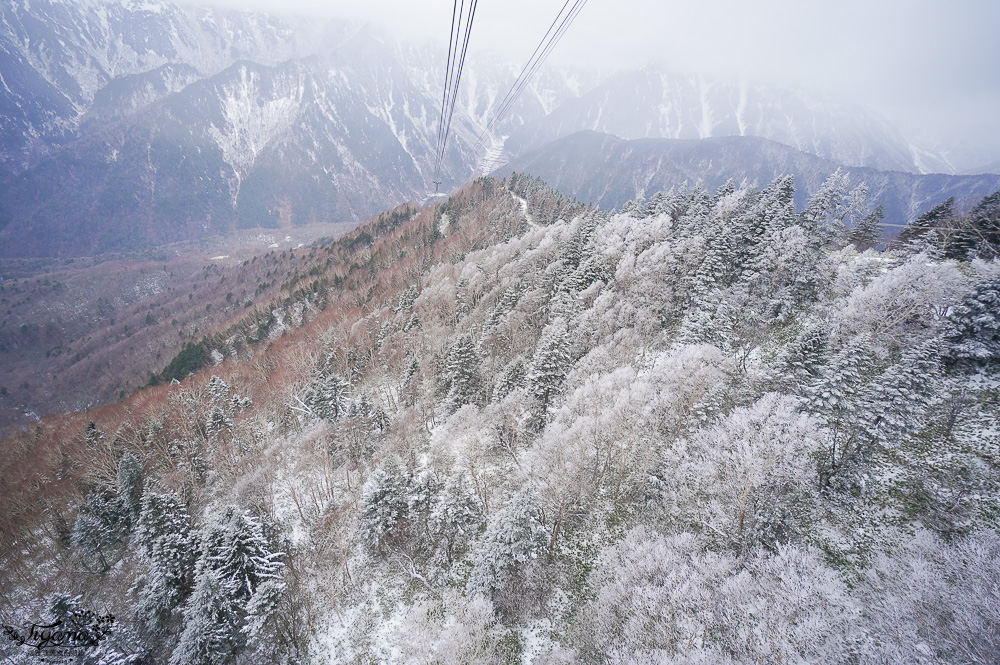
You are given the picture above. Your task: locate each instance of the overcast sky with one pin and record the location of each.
(929, 62)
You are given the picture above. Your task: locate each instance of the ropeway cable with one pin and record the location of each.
(461, 28)
(552, 36)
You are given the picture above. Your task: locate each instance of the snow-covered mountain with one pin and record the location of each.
(127, 124)
(655, 103)
(59, 57)
(215, 120)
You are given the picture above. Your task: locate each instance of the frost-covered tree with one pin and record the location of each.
(514, 538)
(462, 375)
(854, 211)
(455, 516)
(866, 233)
(901, 306)
(935, 602)
(672, 599)
(550, 363)
(385, 506)
(211, 623)
(750, 478)
(167, 543)
(327, 398)
(771, 210)
(973, 334)
(453, 630)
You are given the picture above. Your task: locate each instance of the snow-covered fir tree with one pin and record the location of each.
(550, 363)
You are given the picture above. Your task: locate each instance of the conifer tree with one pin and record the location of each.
(840, 379)
(91, 435)
(454, 517)
(506, 303)
(550, 363)
(218, 389)
(462, 374)
(513, 376)
(590, 270)
(832, 397)
(97, 528)
(217, 421)
(725, 190)
(236, 560)
(973, 334)
(632, 206)
(801, 361)
(110, 513)
(514, 537)
(821, 211)
(656, 205)
(893, 405)
(777, 205)
(211, 623)
(929, 229)
(407, 297)
(164, 534)
(852, 213)
(385, 505)
(327, 397)
(868, 231)
(716, 270)
(984, 221)
(128, 484)
(238, 549)
(262, 609)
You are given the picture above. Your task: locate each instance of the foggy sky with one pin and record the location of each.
(928, 64)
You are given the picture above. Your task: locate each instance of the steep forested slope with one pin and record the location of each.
(77, 334)
(511, 428)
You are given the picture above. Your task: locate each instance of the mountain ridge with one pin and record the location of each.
(130, 124)
(607, 171)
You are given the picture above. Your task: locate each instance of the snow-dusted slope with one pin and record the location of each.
(163, 121)
(75, 49)
(653, 103)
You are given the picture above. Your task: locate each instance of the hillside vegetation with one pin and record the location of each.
(81, 333)
(705, 428)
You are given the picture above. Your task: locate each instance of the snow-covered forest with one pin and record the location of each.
(509, 428)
